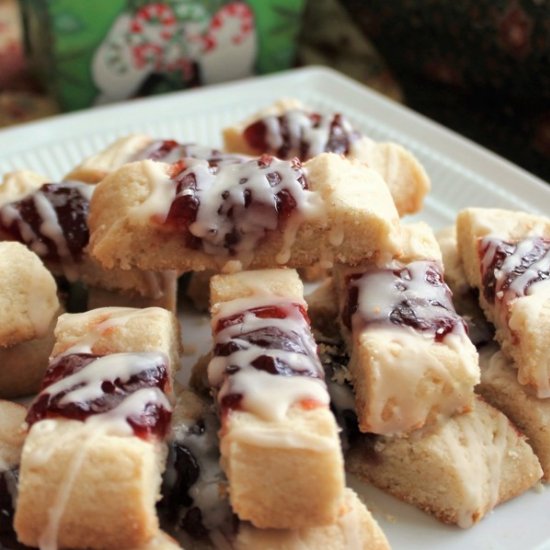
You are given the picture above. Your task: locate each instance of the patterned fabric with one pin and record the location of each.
(481, 68)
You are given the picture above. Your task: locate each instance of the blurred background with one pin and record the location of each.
(480, 67)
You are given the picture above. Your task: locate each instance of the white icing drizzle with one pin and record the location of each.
(8, 215)
(400, 366)
(51, 229)
(270, 396)
(300, 135)
(115, 421)
(409, 384)
(266, 395)
(89, 381)
(112, 422)
(381, 291)
(521, 292)
(107, 368)
(50, 226)
(524, 283)
(162, 192)
(280, 438)
(48, 538)
(237, 203)
(223, 210)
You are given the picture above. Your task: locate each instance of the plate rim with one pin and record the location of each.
(462, 150)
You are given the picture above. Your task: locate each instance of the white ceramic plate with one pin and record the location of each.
(462, 174)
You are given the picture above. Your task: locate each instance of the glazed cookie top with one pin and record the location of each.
(28, 295)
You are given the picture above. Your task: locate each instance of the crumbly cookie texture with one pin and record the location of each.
(403, 376)
(18, 184)
(354, 528)
(457, 471)
(500, 387)
(282, 456)
(515, 295)
(23, 365)
(28, 296)
(94, 168)
(405, 176)
(351, 217)
(115, 329)
(95, 484)
(111, 495)
(12, 434)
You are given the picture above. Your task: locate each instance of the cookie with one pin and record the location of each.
(258, 214)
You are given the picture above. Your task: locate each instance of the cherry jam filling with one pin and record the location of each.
(242, 210)
(171, 151)
(499, 277)
(71, 210)
(294, 138)
(262, 312)
(160, 149)
(415, 296)
(152, 420)
(266, 338)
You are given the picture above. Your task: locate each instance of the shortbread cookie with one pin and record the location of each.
(28, 311)
(273, 403)
(198, 495)
(354, 529)
(262, 213)
(506, 256)
(411, 359)
(18, 184)
(51, 220)
(141, 147)
(93, 457)
(28, 295)
(465, 297)
(458, 470)
(287, 129)
(500, 387)
(12, 434)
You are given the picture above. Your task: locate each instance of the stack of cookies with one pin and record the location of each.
(375, 372)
